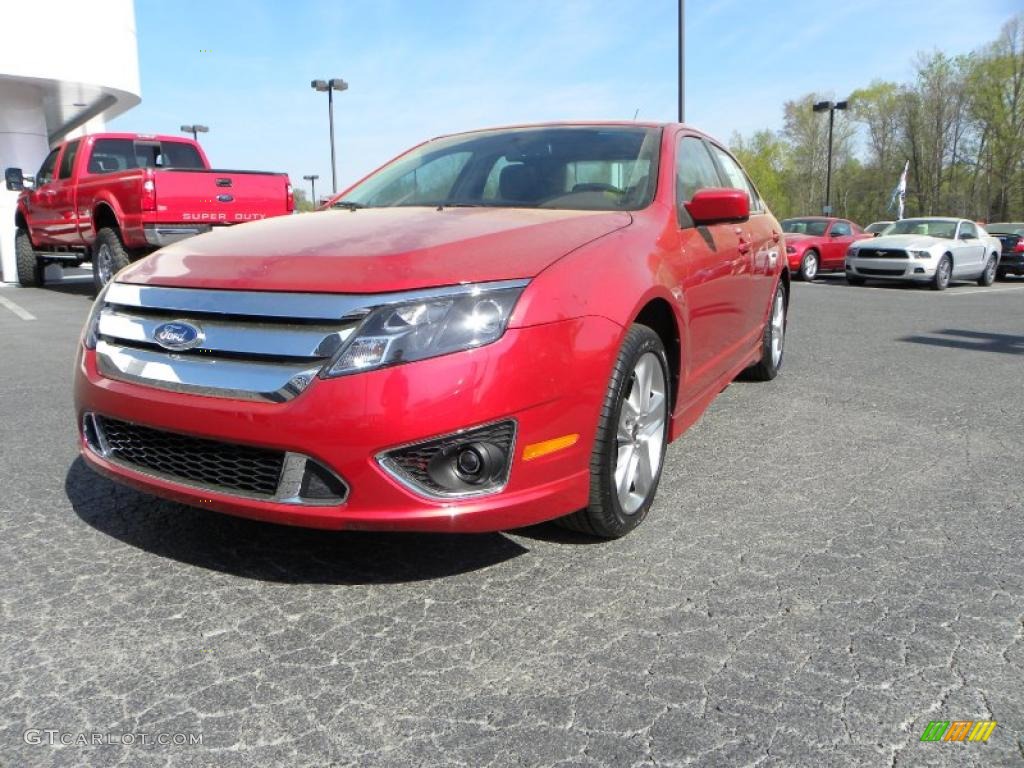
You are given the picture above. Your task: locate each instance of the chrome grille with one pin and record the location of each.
(253, 345)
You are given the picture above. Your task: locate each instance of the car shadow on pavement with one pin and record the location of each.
(979, 341)
(73, 288)
(275, 553)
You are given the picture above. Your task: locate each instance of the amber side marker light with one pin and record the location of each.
(536, 450)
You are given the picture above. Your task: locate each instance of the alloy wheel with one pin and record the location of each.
(104, 263)
(778, 328)
(641, 433)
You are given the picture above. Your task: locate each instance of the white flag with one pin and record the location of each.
(899, 195)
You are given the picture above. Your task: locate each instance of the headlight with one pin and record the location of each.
(428, 327)
(920, 254)
(92, 323)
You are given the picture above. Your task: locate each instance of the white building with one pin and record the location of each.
(66, 67)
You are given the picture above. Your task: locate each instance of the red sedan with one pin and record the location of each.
(818, 244)
(494, 329)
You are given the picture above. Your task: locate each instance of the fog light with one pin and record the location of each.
(472, 462)
(918, 270)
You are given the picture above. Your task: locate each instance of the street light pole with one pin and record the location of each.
(194, 130)
(312, 186)
(682, 62)
(831, 107)
(332, 85)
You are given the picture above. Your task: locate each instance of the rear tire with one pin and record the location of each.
(943, 272)
(809, 266)
(109, 256)
(988, 276)
(30, 267)
(772, 341)
(629, 449)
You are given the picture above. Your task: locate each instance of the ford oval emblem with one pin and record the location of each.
(225, 198)
(178, 335)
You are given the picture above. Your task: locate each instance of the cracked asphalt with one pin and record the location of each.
(834, 560)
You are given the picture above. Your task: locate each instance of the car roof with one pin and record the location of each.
(933, 218)
(579, 124)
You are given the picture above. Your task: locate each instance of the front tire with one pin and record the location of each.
(809, 266)
(989, 275)
(943, 272)
(30, 267)
(773, 341)
(629, 449)
(109, 256)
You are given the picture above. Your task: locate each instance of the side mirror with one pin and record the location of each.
(966, 236)
(717, 205)
(14, 179)
(836, 234)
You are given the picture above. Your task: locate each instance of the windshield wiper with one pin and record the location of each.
(348, 205)
(459, 204)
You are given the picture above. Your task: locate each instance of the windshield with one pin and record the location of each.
(1005, 229)
(930, 227)
(601, 168)
(814, 227)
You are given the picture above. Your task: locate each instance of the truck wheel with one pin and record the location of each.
(30, 268)
(629, 449)
(109, 256)
(773, 341)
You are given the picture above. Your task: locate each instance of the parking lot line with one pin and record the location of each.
(21, 312)
(961, 292)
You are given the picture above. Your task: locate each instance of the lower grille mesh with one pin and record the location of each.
(192, 459)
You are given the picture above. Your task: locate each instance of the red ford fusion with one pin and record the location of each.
(818, 244)
(494, 329)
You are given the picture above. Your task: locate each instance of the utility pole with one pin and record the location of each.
(682, 62)
(830, 107)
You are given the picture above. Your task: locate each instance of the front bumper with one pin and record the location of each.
(917, 270)
(550, 379)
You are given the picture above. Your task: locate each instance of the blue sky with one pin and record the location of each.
(419, 69)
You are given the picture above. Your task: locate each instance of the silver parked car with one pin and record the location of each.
(926, 250)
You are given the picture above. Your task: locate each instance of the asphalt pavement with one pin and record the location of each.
(834, 560)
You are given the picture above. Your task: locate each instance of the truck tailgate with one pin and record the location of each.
(219, 197)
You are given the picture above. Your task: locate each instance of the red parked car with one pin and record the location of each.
(496, 328)
(114, 197)
(818, 244)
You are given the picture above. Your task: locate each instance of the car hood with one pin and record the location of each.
(375, 250)
(916, 242)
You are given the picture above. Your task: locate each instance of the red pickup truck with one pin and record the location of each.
(114, 197)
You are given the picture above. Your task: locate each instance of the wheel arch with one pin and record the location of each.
(657, 315)
(104, 215)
